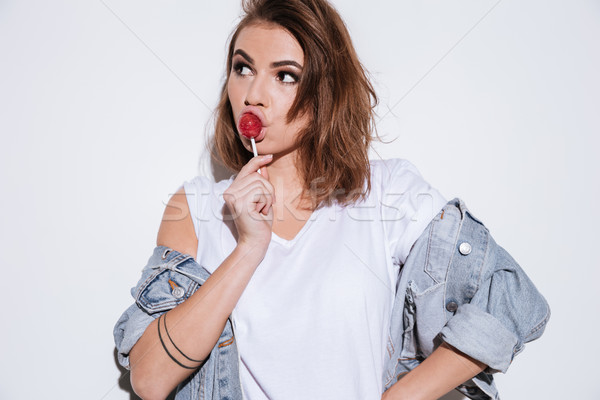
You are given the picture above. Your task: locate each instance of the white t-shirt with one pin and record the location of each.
(313, 321)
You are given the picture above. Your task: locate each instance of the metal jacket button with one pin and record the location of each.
(451, 306)
(178, 292)
(464, 248)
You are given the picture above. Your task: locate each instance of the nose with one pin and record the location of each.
(257, 94)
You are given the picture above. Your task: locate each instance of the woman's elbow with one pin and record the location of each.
(146, 387)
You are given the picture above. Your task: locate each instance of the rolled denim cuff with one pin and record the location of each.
(128, 330)
(481, 336)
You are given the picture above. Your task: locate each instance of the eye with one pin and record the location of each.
(287, 77)
(242, 69)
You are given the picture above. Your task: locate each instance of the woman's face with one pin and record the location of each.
(266, 68)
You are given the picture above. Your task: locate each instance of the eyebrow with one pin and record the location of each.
(273, 64)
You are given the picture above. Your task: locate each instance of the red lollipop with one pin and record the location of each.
(250, 125)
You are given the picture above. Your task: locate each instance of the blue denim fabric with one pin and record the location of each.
(457, 286)
(168, 279)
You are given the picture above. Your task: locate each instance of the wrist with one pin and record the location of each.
(250, 252)
(398, 391)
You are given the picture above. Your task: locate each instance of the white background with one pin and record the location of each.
(104, 110)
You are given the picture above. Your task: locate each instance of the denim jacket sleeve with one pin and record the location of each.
(168, 279)
(459, 286)
(506, 312)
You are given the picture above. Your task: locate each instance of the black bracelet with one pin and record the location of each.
(164, 317)
(167, 351)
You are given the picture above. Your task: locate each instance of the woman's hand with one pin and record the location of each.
(249, 199)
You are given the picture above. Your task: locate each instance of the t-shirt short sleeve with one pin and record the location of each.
(197, 192)
(408, 204)
(205, 201)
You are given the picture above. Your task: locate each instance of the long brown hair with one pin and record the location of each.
(334, 91)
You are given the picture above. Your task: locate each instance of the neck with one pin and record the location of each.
(285, 178)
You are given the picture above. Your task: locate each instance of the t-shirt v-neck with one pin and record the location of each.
(290, 242)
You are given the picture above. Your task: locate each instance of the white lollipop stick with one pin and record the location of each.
(254, 150)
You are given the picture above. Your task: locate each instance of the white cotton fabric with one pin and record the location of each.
(313, 321)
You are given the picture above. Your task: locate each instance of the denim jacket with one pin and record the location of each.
(168, 279)
(457, 286)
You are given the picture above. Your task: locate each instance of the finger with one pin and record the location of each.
(269, 213)
(263, 202)
(252, 181)
(260, 206)
(267, 184)
(253, 189)
(264, 172)
(254, 164)
(253, 201)
(266, 210)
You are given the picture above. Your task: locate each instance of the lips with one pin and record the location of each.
(261, 135)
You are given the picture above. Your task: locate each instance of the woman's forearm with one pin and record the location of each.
(195, 326)
(442, 371)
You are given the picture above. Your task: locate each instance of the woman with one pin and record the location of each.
(301, 250)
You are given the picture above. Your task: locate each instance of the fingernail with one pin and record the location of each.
(268, 156)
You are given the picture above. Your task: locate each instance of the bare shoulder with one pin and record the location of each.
(177, 228)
